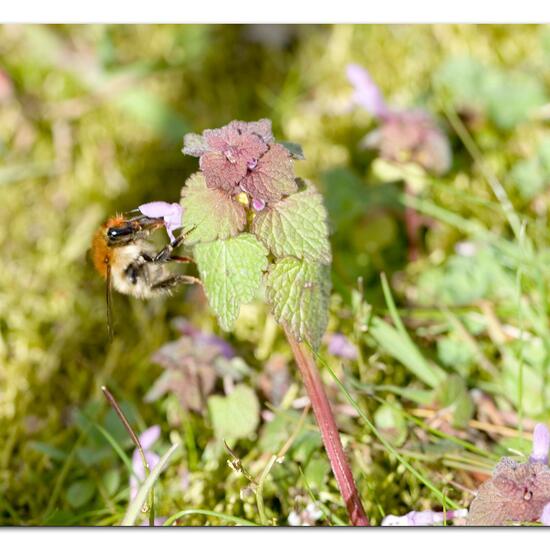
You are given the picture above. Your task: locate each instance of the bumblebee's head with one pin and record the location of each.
(121, 230)
(121, 234)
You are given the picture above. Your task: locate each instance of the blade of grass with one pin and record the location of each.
(136, 505)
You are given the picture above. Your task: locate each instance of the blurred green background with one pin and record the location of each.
(92, 119)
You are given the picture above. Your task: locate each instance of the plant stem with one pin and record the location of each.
(116, 407)
(329, 431)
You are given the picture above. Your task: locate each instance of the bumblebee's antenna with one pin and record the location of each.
(109, 301)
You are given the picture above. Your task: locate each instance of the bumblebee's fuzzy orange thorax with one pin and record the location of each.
(101, 252)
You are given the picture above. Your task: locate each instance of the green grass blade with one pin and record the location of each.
(116, 447)
(404, 350)
(136, 505)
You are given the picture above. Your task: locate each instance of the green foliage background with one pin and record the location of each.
(94, 126)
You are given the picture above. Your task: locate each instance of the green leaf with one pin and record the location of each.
(235, 416)
(296, 226)
(111, 481)
(137, 504)
(298, 292)
(211, 214)
(402, 348)
(389, 419)
(231, 272)
(80, 493)
(295, 150)
(316, 471)
(49, 450)
(453, 393)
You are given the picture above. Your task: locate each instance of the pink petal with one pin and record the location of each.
(541, 444)
(157, 209)
(545, 516)
(367, 94)
(149, 437)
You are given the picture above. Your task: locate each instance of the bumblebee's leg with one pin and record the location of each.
(174, 281)
(165, 255)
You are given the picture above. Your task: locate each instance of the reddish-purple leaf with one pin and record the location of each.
(194, 145)
(411, 136)
(231, 153)
(516, 493)
(272, 176)
(220, 173)
(261, 128)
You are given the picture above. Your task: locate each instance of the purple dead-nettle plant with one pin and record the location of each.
(192, 364)
(403, 136)
(254, 226)
(517, 492)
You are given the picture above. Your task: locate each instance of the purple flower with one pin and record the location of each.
(403, 135)
(147, 440)
(367, 94)
(340, 346)
(258, 204)
(545, 516)
(171, 213)
(541, 445)
(202, 338)
(427, 517)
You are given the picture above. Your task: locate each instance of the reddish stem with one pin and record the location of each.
(329, 431)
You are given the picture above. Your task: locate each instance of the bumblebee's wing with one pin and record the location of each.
(109, 302)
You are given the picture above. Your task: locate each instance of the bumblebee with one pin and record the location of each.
(130, 264)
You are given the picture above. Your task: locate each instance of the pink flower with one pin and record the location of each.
(367, 93)
(545, 516)
(403, 135)
(147, 440)
(171, 213)
(340, 346)
(541, 445)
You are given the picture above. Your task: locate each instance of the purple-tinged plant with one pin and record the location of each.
(541, 445)
(171, 214)
(403, 136)
(545, 516)
(147, 439)
(427, 517)
(252, 223)
(190, 366)
(340, 346)
(243, 156)
(516, 493)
